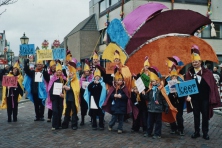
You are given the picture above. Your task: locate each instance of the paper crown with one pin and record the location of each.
(174, 60)
(97, 72)
(69, 57)
(16, 65)
(116, 55)
(39, 62)
(58, 67)
(118, 74)
(154, 73)
(72, 64)
(86, 66)
(195, 53)
(52, 63)
(173, 71)
(146, 62)
(133, 83)
(71, 69)
(95, 55)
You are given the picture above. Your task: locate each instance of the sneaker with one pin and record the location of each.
(147, 135)
(181, 133)
(53, 129)
(48, 120)
(172, 132)
(156, 137)
(119, 131)
(195, 135)
(109, 128)
(74, 127)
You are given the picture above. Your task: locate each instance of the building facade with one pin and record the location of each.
(3, 43)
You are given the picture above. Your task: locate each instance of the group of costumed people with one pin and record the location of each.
(97, 92)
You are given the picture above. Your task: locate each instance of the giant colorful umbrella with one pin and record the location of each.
(137, 17)
(172, 21)
(168, 46)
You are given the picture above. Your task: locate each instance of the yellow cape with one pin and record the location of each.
(76, 90)
(4, 98)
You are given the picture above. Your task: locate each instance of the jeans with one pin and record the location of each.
(154, 118)
(120, 118)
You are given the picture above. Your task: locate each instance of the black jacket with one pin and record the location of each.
(141, 105)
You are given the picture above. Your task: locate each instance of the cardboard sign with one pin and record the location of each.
(187, 88)
(38, 77)
(10, 81)
(110, 68)
(44, 54)
(93, 103)
(172, 86)
(59, 53)
(140, 85)
(57, 88)
(85, 84)
(145, 79)
(27, 49)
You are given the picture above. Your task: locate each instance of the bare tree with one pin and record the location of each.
(6, 2)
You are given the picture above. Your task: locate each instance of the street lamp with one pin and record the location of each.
(24, 39)
(10, 53)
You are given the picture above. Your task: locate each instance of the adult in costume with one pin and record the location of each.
(12, 95)
(71, 99)
(37, 87)
(95, 95)
(85, 79)
(208, 96)
(57, 99)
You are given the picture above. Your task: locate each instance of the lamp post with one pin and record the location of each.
(24, 39)
(11, 54)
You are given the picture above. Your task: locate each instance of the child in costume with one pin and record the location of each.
(71, 101)
(57, 99)
(140, 103)
(95, 95)
(156, 104)
(11, 95)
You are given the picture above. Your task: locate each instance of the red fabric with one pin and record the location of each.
(130, 107)
(214, 97)
(172, 21)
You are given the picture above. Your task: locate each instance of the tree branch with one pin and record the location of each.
(7, 2)
(2, 12)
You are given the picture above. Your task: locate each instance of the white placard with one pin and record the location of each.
(140, 85)
(172, 86)
(85, 84)
(38, 77)
(57, 88)
(93, 103)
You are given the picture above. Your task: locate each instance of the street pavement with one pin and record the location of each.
(32, 134)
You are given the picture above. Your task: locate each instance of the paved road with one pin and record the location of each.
(27, 133)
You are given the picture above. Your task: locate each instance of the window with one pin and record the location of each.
(109, 5)
(200, 2)
(206, 33)
(114, 2)
(102, 6)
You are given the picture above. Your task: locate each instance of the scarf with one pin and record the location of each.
(154, 88)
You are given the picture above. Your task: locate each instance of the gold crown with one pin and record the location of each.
(58, 67)
(39, 62)
(118, 76)
(97, 72)
(86, 67)
(153, 76)
(52, 63)
(95, 56)
(16, 65)
(71, 69)
(146, 63)
(69, 57)
(169, 63)
(195, 57)
(173, 72)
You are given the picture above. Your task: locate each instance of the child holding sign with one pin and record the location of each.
(56, 96)
(11, 95)
(95, 95)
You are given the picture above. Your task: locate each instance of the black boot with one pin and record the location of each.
(195, 135)
(206, 136)
(65, 124)
(82, 122)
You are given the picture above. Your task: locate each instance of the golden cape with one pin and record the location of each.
(4, 97)
(76, 90)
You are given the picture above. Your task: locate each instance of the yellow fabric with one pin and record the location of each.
(169, 63)
(86, 67)
(195, 57)
(116, 56)
(95, 56)
(127, 76)
(4, 97)
(109, 53)
(197, 69)
(75, 84)
(69, 57)
(133, 83)
(153, 76)
(173, 72)
(58, 67)
(146, 63)
(16, 65)
(97, 72)
(138, 97)
(52, 63)
(72, 69)
(39, 62)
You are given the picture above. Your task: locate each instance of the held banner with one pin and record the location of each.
(10, 81)
(44, 54)
(187, 88)
(172, 86)
(59, 53)
(140, 85)
(110, 68)
(57, 88)
(26, 49)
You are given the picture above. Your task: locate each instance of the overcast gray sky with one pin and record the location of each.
(41, 19)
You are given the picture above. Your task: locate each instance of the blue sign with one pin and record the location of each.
(26, 49)
(59, 53)
(187, 88)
